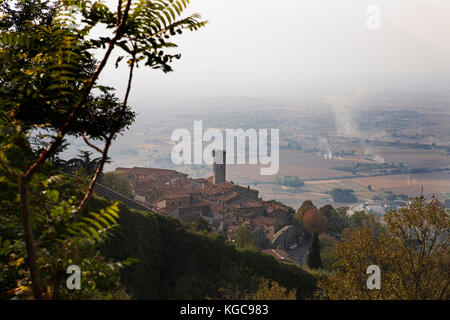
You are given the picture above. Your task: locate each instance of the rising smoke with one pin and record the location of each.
(345, 109)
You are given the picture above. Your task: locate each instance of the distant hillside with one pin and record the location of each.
(175, 263)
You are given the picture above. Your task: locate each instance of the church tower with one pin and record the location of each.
(219, 166)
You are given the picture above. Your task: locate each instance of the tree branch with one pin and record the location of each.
(24, 180)
(63, 130)
(28, 235)
(90, 144)
(111, 136)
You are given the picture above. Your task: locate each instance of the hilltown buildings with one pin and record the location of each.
(224, 205)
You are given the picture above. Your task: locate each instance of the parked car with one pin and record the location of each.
(292, 246)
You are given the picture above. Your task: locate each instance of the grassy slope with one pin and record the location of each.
(175, 263)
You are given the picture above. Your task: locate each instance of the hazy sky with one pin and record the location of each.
(261, 48)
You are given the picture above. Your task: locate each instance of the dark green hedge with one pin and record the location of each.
(175, 263)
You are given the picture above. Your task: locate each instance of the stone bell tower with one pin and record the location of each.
(219, 166)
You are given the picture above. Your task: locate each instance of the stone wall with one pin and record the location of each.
(288, 234)
(110, 194)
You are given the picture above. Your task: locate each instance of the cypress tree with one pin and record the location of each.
(313, 260)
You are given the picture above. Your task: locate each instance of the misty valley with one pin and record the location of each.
(371, 144)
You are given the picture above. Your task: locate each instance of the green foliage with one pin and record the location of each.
(313, 259)
(327, 246)
(25, 13)
(343, 195)
(389, 196)
(62, 239)
(199, 225)
(47, 74)
(298, 217)
(363, 219)
(45, 65)
(412, 252)
(95, 225)
(244, 238)
(306, 205)
(117, 182)
(9, 204)
(147, 31)
(7, 246)
(83, 161)
(337, 218)
(271, 290)
(328, 258)
(175, 263)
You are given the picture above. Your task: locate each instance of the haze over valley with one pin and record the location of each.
(390, 141)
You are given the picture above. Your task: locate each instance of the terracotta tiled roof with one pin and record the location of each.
(271, 206)
(171, 192)
(218, 208)
(217, 188)
(265, 220)
(201, 204)
(200, 180)
(175, 195)
(212, 190)
(142, 185)
(246, 203)
(227, 196)
(226, 185)
(246, 188)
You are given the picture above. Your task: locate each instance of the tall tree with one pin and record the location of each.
(315, 221)
(337, 219)
(244, 238)
(313, 259)
(412, 252)
(306, 205)
(47, 77)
